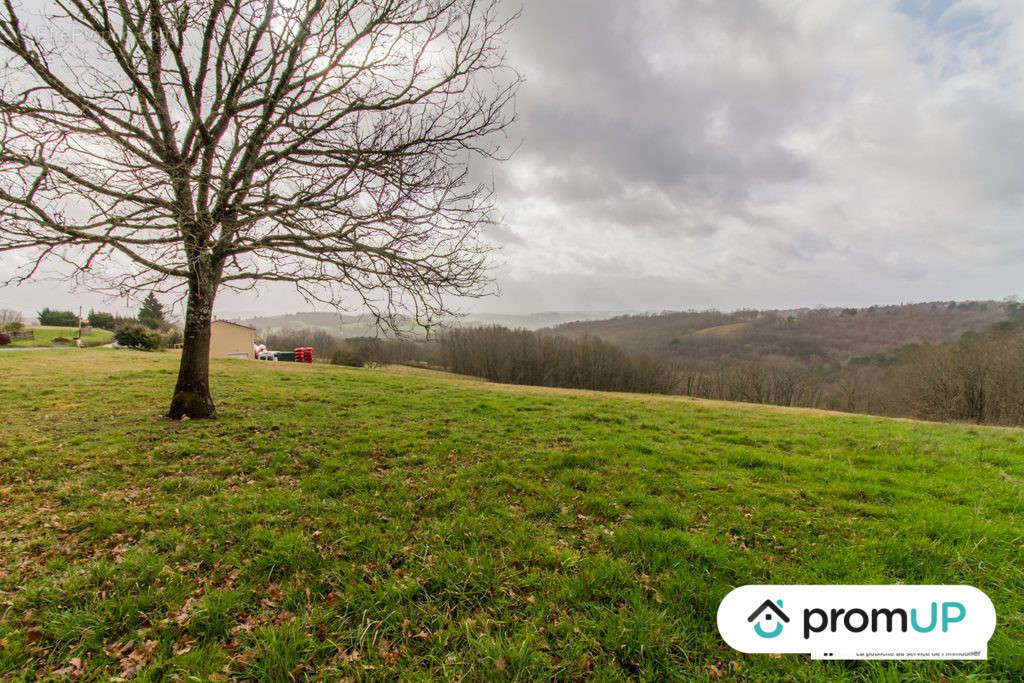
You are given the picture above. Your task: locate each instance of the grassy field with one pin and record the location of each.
(44, 336)
(394, 523)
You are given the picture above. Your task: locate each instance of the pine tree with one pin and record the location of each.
(152, 313)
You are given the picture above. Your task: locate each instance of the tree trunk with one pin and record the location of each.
(192, 393)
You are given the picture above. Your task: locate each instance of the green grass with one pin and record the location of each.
(44, 336)
(393, 523)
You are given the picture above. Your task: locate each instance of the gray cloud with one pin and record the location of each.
(759, 153)
(766, 152)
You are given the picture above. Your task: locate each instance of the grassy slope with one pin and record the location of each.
(429, 526)
(44, 336)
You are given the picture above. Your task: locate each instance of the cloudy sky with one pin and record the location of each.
(767, 153)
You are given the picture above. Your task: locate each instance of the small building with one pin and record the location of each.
(231, 340)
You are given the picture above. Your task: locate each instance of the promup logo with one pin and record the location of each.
(859, 622)
(766, 612)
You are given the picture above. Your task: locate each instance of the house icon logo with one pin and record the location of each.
(765, 614)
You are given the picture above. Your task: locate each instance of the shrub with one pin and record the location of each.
(5, 339)
(57, 318)
(349, 356)
(102, 320)
(14, 327)
(172, 337)
(9, 316)
(137, 336)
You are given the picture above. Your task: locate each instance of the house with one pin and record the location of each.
(768, 611)
(230, 340)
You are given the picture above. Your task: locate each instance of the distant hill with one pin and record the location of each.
(342, 325)
(298, 320)
(363, 325)
(805, 335)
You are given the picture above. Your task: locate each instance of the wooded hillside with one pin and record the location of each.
(804, 335)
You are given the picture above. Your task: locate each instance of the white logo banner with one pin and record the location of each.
(859, 622)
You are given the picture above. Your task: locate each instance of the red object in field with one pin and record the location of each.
(309, 354)
(300, 354)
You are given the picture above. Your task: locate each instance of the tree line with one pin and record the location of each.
(524, 357)
(498, 354)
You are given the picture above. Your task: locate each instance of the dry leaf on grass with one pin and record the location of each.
(284, 617)
(388, 653)
(73, 670)
(246, 624)
(137, 659)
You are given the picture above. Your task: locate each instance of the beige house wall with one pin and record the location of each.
(228, 339)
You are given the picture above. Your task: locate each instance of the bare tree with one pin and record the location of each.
(9, 316)
(201, 144)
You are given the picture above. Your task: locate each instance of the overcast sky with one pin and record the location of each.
(734, 153)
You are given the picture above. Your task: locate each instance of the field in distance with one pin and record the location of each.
(396, 523)
(44, 336)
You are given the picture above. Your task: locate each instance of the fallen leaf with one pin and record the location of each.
(183, 646)
(284, 617)
(247, 624)
(137, 659)
(73, 670)
(388, 653)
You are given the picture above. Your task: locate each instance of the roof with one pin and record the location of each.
(769, 604)
(231, 322)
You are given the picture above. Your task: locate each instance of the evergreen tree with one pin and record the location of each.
(152, 313)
